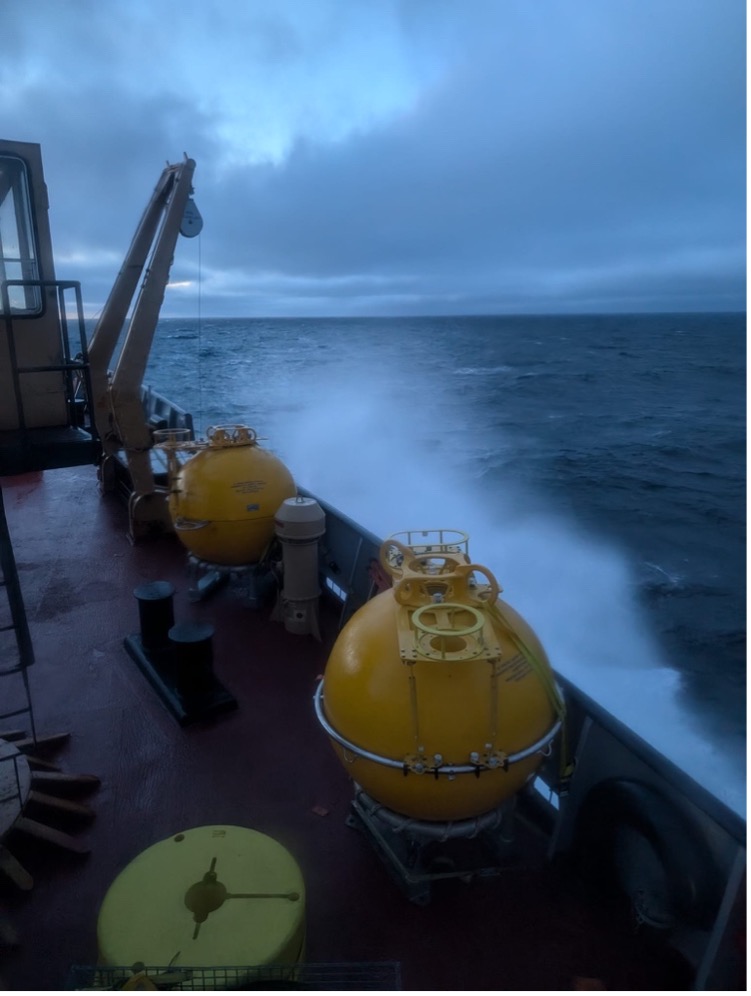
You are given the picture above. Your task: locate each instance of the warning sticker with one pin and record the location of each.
(515, 668)
(248, 487)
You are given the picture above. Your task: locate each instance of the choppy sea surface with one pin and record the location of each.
(598, 464)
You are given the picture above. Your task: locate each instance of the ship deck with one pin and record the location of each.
(267, 765)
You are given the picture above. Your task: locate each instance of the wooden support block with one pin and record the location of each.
(15, 871)
(39, 831)
(39, 763)
(50, 740)
(63, 782)
(65, 806)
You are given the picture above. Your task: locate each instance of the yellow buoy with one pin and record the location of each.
(223, 500)
(437, 696)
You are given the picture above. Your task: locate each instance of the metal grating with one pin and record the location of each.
(324, 976)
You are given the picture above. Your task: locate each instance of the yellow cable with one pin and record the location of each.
(547, 681)
(543, 673)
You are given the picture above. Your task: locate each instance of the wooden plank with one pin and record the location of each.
(50, 740)
(37, 763)
(62, 781)
(14, 870)
(39, 831)
(66, 806)
(15, 778)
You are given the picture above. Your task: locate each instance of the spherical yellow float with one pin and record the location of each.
(223, 500)
(438, 697)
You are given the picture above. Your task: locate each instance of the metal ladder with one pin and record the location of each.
(27, 783)
(14, 621)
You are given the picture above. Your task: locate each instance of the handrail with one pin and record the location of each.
(67, 366)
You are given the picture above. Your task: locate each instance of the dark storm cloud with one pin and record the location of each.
(619, 176)
(568, 156)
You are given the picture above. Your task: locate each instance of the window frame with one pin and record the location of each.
(28, 301)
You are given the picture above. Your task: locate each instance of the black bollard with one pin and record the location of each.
(177, 659)
(193, 658)
(155, 613)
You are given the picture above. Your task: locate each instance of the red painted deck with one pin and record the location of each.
(267, 766)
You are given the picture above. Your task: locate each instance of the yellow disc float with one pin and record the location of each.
(438, 697)
(213, 895)
(223, 500)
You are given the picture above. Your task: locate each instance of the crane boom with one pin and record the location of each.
(117, 405)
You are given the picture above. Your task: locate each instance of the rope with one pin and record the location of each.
(543, 672)
(200, 332)
(545, 676)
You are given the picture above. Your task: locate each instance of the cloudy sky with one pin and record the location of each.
(396, 156)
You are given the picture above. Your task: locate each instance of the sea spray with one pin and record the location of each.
(382, 462)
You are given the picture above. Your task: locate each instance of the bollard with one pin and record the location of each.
(155, 613)
(193, 658)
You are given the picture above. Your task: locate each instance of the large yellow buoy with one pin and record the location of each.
(223, 500)
(437, 696)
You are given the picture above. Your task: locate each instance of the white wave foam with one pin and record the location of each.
(483, 371)
(369, 458)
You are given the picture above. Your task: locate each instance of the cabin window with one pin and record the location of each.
(18, 254)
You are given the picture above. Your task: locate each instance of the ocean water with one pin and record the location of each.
(597, 462)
